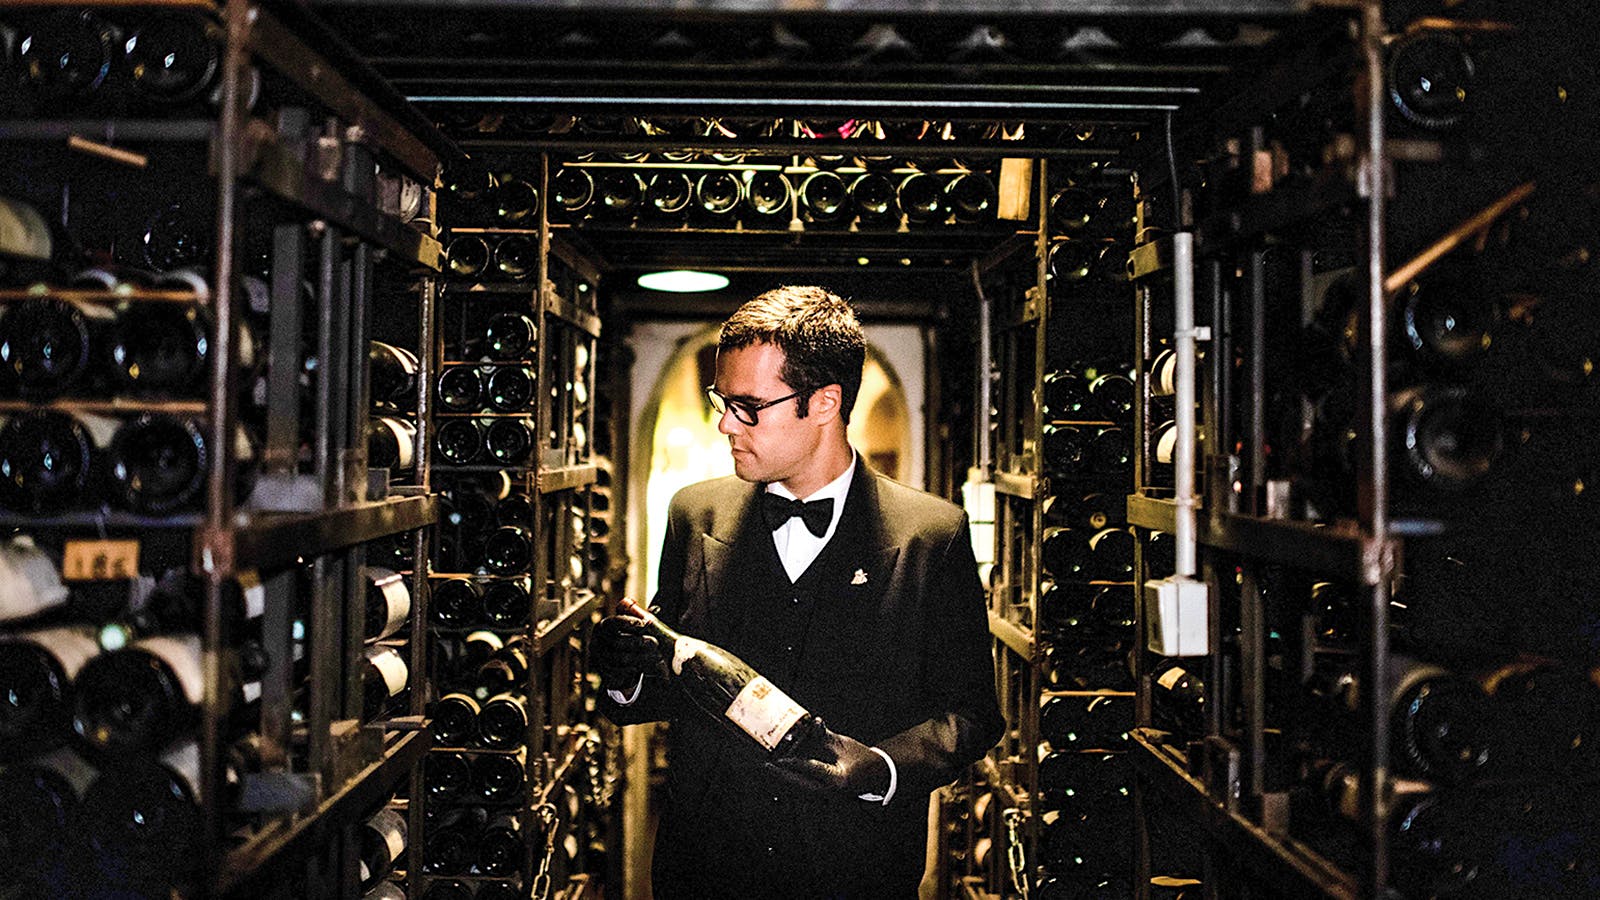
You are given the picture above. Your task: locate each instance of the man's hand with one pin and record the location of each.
(621, 652)
(836, 762)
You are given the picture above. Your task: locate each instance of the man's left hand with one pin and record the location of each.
(837, 762)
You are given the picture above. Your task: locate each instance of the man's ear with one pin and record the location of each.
(827, 400)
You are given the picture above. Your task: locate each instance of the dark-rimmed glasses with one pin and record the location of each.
(746, 413)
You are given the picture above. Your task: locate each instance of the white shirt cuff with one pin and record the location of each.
(894, 781)
(622, 699)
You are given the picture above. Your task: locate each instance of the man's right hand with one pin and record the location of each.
(621, 652)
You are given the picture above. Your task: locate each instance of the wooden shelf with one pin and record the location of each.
(276, 540)
(1019, 638)
(1283, 861)
(553, 632)
(563, 478)
(245, 868)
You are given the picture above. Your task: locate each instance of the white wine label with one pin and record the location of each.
(23, 232)
(251, 692)
(683, 650)
(1166, 445)
(181, 652)
(71, 646)
(29, 582)
(405, 438)
(390, 666)
(764, 712)
(1170, 677)
(396, 599)
(392, 826)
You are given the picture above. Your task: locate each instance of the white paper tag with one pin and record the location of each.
(764, 712)
(1170, 677)
(685, 648)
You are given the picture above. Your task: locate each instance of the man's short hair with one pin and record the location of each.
(817, 331)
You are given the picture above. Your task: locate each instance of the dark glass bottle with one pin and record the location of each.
(769, 196)
(142, 819)
(922, 198)
(1110, 555)
(1430, 79)
(621, 193)
(383, 681)
(1448, 438)
(1064, 554)
(447, 847)
(459, 441)
(498, 778)
(172, 59)
(45, 346)
(160, 348)
(506, 670)
(1110, 452)
(501, 846)
(1070, 261)
(455, 720)
(727, 688)
(47, 459)
(718, 194)
(1097, 722)
(461, 389)
(972, 197)
(509, 441)
(510, 389)
(391, 443)
(571, 191)
(388, 600)
(1071, 210)
(469, 255)
(383, 844)
(158, 464)
(37, 669)
(447, 776)
(177, 236)
(134, 701)
(1066, 397)
(393, 376)
(1064, 447)
(503, 723)
(66, 57)
(1064, 607)
(1084, 780)
(456, 602)
(824, 197)
(873, 196)
(469, 181)
(449, 890)
(1178, 699)
(670, 194)
(516, 201)
(509, 336)
(41, 799)
(1113, 393)
(506, 604)
(508, 550)
(516, 256)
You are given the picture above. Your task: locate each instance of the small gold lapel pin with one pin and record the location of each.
(859, 578)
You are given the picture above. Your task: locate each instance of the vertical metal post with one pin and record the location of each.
(1183, 419)
(1374, 185)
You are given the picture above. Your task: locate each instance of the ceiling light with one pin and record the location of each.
(683, 281)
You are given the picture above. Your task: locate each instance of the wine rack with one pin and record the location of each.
(1366, 443)
(216, 234)
(519, 521)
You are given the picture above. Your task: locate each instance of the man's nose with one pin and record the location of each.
(728, 423)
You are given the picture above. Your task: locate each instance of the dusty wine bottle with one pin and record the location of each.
(383, 843)
(726, 687)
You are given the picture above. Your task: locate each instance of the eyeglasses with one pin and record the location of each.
(746, 412)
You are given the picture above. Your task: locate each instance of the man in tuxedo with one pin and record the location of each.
(854, 594)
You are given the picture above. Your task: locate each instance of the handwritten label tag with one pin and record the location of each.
(99, 560)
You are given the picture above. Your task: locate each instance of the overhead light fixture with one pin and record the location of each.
(683, 281)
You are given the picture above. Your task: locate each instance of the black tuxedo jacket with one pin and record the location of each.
(884, 636)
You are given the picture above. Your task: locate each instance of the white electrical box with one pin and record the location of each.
(1175, 610)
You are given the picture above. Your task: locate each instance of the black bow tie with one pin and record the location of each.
(818, 514)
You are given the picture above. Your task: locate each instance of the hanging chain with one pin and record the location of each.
(548, 820)
(1016, 852)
